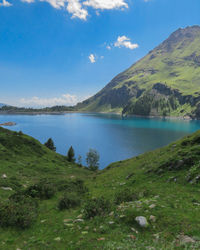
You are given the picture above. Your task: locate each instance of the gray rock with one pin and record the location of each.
(142, 221)
(7, 188)
(4, 176)
(184, 239)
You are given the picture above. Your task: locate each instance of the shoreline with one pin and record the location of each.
(185, 118)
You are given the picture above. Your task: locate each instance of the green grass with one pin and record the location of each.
(165, 178)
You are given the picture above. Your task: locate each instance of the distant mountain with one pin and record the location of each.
(2, 104)
(166, 82)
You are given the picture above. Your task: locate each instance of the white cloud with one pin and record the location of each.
(92, 58)
(106, 4)
(28, 1)
(5, 3)
(58, 4)
(123, 41)
(35, 101)
(79, 8)
(108, 47)
(76, 9)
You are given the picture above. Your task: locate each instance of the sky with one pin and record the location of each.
(60, 52)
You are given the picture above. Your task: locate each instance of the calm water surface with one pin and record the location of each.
(115, 138)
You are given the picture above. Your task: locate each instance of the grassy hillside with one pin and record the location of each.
(162, 186)
(164, 82)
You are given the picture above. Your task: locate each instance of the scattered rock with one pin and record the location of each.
(79, 216)
(67, 220)
(134, 230)
(7, 188)
(79, 220)
(152, 218)
(152, 206)
(4, 176)
(133, 237)
(85, 232)
(129, 176)
(100, 239)
(111, 214)
(42, 221)
(184, 239)
(142, 221)
(111, 222)
(57, 239)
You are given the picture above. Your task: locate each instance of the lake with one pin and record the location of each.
(114, 137)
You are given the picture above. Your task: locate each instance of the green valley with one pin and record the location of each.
(147, 202)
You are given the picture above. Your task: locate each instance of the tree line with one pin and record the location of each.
(92, 157)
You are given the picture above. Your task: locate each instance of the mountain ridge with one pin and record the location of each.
(173, 66)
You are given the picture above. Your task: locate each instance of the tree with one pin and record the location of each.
(71, 154)
(92, 159)
(79, 160)
(50, 144)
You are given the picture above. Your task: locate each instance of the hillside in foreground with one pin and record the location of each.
(48, 203)
(163, 83)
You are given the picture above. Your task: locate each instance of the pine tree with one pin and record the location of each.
(50, 144)
(71, 154)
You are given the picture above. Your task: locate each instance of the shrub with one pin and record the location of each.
(96, 207)
(124, 196)
(69, 200)
(72, 186)
(19, 213)
(43, 190)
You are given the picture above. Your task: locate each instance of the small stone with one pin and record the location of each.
(111, 214)
(184, 239)
(86, 228)
(94, 229)
(134, 230)
(111, 222)
(133, 237)
(142, 221)
(42, 221)
(152, 218)
(79, 216)
(122, 216)
(7, 188)
(100, 239)
(79, 220)
(57, 239)
(152, 206)
(85, 232)
(4, 176)
(67, 220)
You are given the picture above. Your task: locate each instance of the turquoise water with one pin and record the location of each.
(115, 138)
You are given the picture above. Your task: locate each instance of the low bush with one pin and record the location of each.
(20, 213)
(96, 207)
(69, 200)
(124, 196)
(77, 186)
(42, 190)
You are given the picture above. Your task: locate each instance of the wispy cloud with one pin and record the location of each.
(92, 58)
(65, 99)
(5, 3)
(106, 4)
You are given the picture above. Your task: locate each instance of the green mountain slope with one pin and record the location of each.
(162, 186)
(164, 82)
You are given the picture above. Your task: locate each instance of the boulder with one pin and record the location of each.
(142, 221)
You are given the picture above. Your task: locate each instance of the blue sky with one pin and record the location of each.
(61, 51)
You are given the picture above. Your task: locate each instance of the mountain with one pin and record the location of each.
(165, 82)
(2, 104)
(49, 203)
